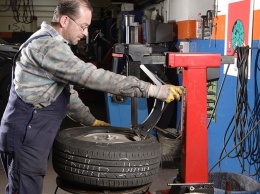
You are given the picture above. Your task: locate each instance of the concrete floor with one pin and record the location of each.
(167, 172)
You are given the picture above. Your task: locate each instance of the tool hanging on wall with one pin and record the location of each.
(207, 21)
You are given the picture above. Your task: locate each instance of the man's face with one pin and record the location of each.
(78, 28)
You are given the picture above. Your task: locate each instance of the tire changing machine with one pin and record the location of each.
(194, 160)
(193, 177)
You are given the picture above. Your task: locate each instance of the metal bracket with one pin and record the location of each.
(183, 188)
(158, 107)
(227, 59)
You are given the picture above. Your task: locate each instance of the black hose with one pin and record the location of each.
(243, 127)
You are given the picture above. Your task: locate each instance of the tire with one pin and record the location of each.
(106, 157)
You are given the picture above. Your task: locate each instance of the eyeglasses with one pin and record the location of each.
(82, 27)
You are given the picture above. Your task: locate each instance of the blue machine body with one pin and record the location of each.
(119, 114)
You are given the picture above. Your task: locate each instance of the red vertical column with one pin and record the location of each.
(194, 167)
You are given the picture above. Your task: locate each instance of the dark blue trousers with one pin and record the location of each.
(26, 138)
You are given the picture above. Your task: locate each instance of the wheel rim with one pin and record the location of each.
(109, 137)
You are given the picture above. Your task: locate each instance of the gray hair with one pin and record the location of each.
(70, 8)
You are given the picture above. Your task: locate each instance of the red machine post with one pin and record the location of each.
(194, 161)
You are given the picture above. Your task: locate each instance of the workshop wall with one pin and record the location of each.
(24, 18)
(18, 17)
(245, 157)
(185, 14)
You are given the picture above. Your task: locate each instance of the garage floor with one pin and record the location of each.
(167, 172)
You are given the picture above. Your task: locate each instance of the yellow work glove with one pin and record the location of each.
(99, 123)
(175, 93)
(166, 92)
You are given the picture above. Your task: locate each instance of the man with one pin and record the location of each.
(42, 95)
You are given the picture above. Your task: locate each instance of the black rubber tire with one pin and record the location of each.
(105, 165)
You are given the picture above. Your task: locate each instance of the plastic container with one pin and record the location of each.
(240, 184)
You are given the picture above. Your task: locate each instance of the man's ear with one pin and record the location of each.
(64, 20)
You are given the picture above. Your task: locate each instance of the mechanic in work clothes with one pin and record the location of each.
(42, 95)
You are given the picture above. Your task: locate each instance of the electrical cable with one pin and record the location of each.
(111, 32)
(27, 9)
(28, 12)
(15, 8)
(243, 127)
(5, 7)
(253, 160)
(227, 154)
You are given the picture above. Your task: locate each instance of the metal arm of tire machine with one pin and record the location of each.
(144, 55)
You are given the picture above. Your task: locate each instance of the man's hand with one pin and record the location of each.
(175, 93)
(166, 92)
(99, 123)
